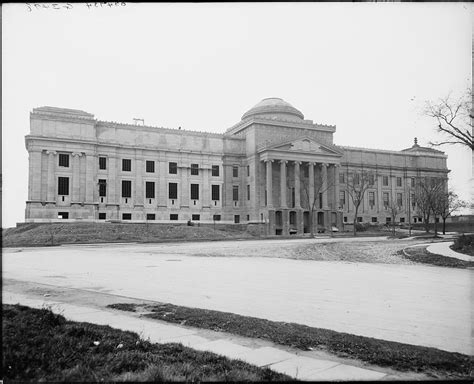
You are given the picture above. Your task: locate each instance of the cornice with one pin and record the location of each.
(386, 151)
(345, 164)
(281, 123)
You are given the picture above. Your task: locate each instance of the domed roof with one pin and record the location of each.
(274, 107)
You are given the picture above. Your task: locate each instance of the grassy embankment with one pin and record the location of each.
(464, 244)
(402, 357)
(41, 346)
(46, 234)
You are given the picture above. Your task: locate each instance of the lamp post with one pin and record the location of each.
(409, 212)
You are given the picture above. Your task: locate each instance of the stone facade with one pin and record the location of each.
(273, 167)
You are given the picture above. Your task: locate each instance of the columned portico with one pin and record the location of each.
(297, 185)
(269, 176)
(283, 203)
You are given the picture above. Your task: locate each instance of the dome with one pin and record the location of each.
(274, 107)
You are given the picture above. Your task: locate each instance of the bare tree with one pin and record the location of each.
(448, 203)
(313, 203)
(356, 187)
(394, 210)
(454, 118)
(428, 192)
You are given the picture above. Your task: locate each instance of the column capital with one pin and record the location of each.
(53, 153)
(283, 161)
(297, 162)
(312, 163)
(268, 161)
(337, 165)
(324, 165)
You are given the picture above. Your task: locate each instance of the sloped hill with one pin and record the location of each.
(41, 234)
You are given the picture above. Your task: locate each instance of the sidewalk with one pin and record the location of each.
(444, 249)
(300, 365)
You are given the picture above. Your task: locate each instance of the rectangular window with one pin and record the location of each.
(150, 189)
(399, 181)
(150, 166)
(215, 192)
(126, 188)
(385, 181)
(341, 178)
(413, 202)
(63, 186)
(359, 219)
(371, 199)
(196, 217)
(173, 190)
(102, 187)
(174, 216)
(63, 215)
(248, 191)
(413, 182)
(399, 199)
(248, 217)
(345, 219)
(216, 217)
(194, 191)
(194, 169)
(374, 219)
(356, 179)
(236, 219)
(235, 171)
(173, 168)
(371, 179)
(402, 219)
(388, 220)
(102, 215)
(126, 165)
(150, 216)
(63, 160)
(215, 170)
(342, 198)
(385, 199)
(126, 216)
(102, 163)
(235, 193)
(248, 170)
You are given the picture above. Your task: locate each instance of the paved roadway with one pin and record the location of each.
(415, 304)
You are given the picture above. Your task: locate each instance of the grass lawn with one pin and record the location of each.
(421, 255)
(39, 345)
(403, 357)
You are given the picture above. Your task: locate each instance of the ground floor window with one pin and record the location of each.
(374, 219)
(102, 215)
(150, 216)
(196, 217)
(359, 219)
(437, 219)
(345, 219)
(174, 216)
(236, 219)
(126, 216)
(63, 215)
(388, 220)
(402, 219)
(216, 217)
(248, 217)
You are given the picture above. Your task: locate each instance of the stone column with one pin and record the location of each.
(311, 186)
(90, 184)
(297, 185)
(75, 177)
(379, 194)
(324, 188)
(336, 187)
(51, 179)
(283, 203)
(269, 183)
(393, 198)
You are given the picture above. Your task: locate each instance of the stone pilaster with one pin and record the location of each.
(111, 183)
(76, 171)
(269, 183)
(51, 176)
(283, 203)
(90, 183)
(297, 185)
(34, 177)
(379, 194)
(336, 187)
(139, 194)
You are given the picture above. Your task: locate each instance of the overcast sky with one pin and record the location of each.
(366, 68)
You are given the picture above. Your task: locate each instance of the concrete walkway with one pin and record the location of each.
(444, 249)
(296, 365)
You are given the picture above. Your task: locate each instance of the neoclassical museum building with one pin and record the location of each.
(273, 167)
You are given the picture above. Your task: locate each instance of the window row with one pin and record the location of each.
(385, 198)
(356, 180)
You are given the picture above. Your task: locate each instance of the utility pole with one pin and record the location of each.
(409, 212)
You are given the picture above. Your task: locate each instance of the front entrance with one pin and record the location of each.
(306, 222)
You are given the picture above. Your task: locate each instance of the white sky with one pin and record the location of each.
(367, 68)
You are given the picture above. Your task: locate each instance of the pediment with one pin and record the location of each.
(305, 145)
